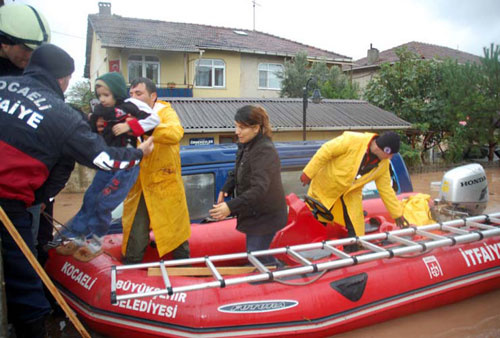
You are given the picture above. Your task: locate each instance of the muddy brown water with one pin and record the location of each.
(474, 317)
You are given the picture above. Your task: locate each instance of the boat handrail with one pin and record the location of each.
(457, 231)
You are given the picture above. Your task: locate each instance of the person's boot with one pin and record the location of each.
(32, 329)
(182, 251)
(351, 248)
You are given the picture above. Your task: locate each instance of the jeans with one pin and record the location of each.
(25, 296)
(107, 191)
(261, 242)
(35, 211)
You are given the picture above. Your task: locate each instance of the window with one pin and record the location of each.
(370, 189)
(268, 75)
(291, 183)
(143, 66)
(200, 192)
(227, 139)
(210, 73)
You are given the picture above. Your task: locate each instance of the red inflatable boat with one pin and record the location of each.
(320, 292)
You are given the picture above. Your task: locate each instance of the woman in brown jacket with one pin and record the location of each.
(258, 196)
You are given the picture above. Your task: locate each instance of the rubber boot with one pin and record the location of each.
(32, 329)
(351, 248)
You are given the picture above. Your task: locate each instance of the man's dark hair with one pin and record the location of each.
(150, 85)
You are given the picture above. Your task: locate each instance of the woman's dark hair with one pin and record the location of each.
(254, 116)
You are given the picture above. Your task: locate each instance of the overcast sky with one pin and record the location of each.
(343, 27)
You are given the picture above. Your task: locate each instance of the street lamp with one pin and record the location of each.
(316, 98)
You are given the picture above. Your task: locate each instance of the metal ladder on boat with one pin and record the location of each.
(457, 231)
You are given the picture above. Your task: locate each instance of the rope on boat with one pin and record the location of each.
(304, 283)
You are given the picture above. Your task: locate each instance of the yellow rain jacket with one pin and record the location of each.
(333, 171)
(161, 183)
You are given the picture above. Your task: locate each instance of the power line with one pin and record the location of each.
(70, 35)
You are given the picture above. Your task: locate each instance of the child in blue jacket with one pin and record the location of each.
(120, 120)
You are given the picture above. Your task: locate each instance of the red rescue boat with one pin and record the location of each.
(322, 291)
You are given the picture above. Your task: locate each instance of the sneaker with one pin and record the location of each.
(90, 251)
(69, 247)
(84, 254)
(64, 232)
(95, 243)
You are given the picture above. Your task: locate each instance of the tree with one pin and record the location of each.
(409, 89)
(490, 117)
(461, 101)
(295, 75)
(80, 95)
(332, 83)
(471, 94)
(338, 86)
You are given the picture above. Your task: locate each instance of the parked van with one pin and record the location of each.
(205, 169)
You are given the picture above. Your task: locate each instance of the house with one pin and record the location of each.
(211, 120)
(208, 72)
(192, 60)
(363, 70)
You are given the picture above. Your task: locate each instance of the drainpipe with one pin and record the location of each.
(185, 68)
(199, 59)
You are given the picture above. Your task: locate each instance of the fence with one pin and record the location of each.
(428, 168)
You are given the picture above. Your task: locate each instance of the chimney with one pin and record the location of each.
(372, 55)
(105, 8)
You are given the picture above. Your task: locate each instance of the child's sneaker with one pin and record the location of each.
(90, 251)
(70, 246)
(95, 243)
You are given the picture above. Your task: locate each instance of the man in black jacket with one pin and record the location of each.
(38, 128)
(22, 29)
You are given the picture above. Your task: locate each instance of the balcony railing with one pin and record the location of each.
(174, 90)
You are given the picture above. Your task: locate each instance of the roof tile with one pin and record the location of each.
(424, 50)
(118, 31)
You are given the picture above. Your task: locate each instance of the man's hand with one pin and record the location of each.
(402, 222)
(147, 146)
(100, 124)
(304, 179)
(220, 211)
(121, 128)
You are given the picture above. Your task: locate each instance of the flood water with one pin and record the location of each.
(475, 317)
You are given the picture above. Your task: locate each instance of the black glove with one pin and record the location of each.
(402, 222)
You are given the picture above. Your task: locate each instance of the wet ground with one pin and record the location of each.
(475, 317)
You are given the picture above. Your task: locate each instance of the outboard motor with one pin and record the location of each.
(464, 192)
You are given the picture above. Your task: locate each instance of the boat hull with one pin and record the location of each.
(383, 290)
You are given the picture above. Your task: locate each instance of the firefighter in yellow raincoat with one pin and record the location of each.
(342, 166)
(157, 200)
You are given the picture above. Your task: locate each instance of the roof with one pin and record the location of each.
(122, 32)
(217, 114)
(424, 50)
